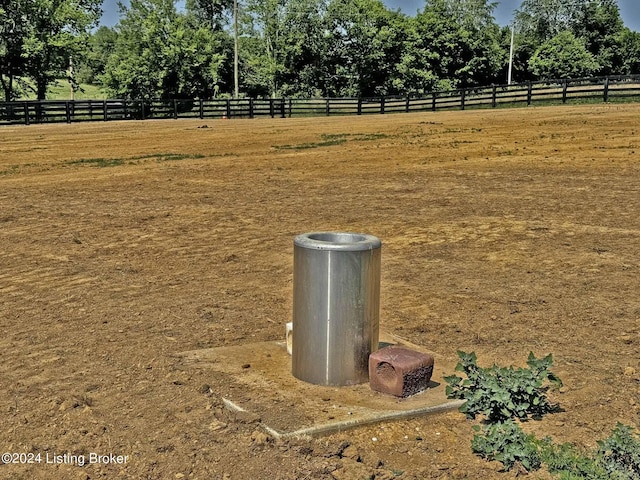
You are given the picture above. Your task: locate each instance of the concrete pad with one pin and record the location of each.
(260, 382)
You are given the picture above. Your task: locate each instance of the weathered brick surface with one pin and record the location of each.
(399, 371)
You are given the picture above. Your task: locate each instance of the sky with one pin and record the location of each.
(629, 9)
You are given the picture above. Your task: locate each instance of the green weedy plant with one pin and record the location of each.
(619, 454)
(507, 443)
(503, 393)
(568, 463)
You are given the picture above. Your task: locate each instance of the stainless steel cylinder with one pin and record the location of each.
(336, 305)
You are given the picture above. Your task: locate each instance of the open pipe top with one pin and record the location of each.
(340, 241)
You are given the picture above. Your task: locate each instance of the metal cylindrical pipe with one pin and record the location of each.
(336, 305)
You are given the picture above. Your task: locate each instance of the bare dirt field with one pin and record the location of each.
(124, 244)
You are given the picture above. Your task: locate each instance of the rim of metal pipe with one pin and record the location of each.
(340, 241)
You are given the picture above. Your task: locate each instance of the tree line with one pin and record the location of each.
(305, 48)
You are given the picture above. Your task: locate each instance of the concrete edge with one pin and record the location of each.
(330, 428)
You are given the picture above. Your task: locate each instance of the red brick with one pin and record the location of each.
(399, 371)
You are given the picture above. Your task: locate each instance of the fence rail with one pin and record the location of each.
(599, 89)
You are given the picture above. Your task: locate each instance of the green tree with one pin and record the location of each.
(39, 38)
(431, 48)
(627, 57)
(598, 22)
(451, 44)
(13, 30)
(59, 33)
(541, 20)
(205, 60)
(139, 66)
(563, 56)
(159, 53)
(304, 45)
(261, 46)
(472, 14)
(100, 46)
(211, 12)
(364, 45)
(525, 46)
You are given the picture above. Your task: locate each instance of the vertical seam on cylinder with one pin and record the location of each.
(327, 351)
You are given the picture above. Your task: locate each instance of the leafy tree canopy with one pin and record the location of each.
(158, 54)
(39, 38)
(563, 56)
(306, 47)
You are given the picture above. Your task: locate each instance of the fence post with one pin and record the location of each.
(104, 110)
(529, 92)
(494, 102)
(407, 104)
(463, 93)
(282, 108)
(434, 95)
(26, 113)
(39, 113)
(201, 109)
(271, 107)
(142, 109)
(67, 112)
(382, 100)
(251, 108)
(175, 109)
(606, 90)
(359, 111)
(228, 113)
(327, 108)
(290, 107)
(564, 90)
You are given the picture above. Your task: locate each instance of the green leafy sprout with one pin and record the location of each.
(506, 396)
(501, 393)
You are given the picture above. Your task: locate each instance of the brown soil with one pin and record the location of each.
(504, 232)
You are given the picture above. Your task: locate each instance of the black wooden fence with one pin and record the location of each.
(599, 89)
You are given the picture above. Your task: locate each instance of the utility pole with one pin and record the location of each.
(235, 49)
(513, 29)
(72, 79)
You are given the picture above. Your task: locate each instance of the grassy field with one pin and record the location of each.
(61, 90)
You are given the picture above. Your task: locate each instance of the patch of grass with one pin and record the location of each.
(61, 90)
(11, 170)
(331, 139)
(304, 146)
(613, 98)
(98, 162)
(461, 130)
(455, 143)
(364, 137)
(327, 137)
(114, 162)
(165, 157)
